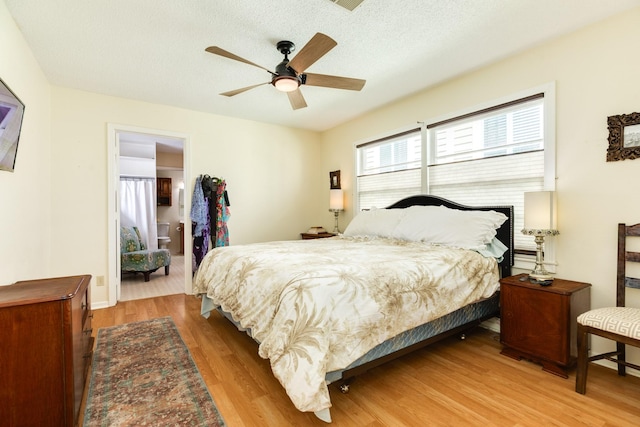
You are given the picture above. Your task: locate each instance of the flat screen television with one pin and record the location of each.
(11, 113)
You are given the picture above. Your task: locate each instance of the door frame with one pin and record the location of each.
(113, 196)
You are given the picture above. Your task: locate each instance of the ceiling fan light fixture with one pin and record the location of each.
(286, 83)
(289, 78)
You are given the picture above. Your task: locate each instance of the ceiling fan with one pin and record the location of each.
(290, 75)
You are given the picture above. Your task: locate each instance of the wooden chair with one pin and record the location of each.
(620, 324)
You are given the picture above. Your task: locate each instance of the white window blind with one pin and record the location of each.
(486, 157)
(491, 157)
(389, 169)
(493, 181)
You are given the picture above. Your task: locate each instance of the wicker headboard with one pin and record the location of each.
(504, 233)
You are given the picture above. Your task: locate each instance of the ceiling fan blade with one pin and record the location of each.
(335, 82)
(315, 49)
(296, 99)
(244, 89)
(219, 51)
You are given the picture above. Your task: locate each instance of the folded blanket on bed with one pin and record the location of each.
(315, 306)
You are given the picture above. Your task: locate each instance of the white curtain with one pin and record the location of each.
(138, 208)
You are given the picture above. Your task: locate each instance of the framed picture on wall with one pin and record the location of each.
(624, 137)
(11, 113)
(334, 180)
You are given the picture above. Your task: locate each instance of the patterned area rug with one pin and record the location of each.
(143, 374)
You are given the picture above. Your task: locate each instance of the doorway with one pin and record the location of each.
(168, 145)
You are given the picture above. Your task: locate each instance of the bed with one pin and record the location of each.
(399, 278)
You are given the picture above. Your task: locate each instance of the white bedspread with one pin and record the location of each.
(315, 306)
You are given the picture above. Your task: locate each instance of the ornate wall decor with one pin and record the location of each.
(624, 137)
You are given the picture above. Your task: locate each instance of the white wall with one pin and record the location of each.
(596, 73)
(54, 212)
(25, 194)
(272, 188)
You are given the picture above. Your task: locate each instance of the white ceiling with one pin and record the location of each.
(154, 50)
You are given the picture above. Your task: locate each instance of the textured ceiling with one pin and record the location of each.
(154, 50)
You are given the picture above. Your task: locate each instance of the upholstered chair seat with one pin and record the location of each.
(620, 324)
(136, 258)
(618, 320)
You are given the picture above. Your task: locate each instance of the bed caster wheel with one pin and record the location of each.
(463, 336)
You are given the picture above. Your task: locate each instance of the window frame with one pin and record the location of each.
(409, 130)
(523, 259)
(548, 91)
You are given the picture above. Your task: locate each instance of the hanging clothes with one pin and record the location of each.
(199, 208)
(209, 214)
(222, 215)
(201, 227)
(209, 189)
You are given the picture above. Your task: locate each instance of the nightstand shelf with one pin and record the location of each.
(538, 323)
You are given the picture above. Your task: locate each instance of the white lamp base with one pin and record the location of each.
(539, 273)
(336, 212)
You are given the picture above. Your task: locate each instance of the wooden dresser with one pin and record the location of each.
(538, 323)
(45, 350)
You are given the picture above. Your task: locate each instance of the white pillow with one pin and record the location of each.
(449, 227)
(375, 222)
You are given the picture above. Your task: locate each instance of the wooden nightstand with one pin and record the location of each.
(307, 236)
(538, 323)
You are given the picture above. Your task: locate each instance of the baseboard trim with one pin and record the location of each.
(99, 305)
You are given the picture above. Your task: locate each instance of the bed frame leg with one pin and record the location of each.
(344, 386)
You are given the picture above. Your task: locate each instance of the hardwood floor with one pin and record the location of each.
(452, 383)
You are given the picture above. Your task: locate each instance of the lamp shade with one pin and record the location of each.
(540, 210)
(336, 200)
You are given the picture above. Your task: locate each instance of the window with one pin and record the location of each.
(389, 169)
(488, 156)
